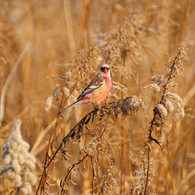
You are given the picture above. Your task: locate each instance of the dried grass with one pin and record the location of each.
(140, 140)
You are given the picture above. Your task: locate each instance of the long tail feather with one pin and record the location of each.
(74, 104)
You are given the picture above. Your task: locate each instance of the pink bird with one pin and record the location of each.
(97, 90)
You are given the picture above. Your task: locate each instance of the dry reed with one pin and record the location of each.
(140, 140)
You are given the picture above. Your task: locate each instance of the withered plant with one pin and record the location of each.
(140, 140)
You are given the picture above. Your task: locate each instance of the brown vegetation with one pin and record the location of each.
(140, 139)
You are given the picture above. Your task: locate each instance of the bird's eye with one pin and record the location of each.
(104, 69)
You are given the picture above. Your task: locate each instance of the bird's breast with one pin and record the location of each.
(100, 94)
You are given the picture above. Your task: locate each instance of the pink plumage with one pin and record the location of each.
(97, 90)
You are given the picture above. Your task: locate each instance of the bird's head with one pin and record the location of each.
(104, 69)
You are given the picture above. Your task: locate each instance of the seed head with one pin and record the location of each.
(18, 161)
(162, 109)
(169, 105)
(153, 86)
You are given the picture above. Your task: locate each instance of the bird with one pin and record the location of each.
(97, 90)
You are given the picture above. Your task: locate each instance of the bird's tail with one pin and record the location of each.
(74, 104)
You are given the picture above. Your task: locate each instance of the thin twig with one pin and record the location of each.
(8, 81)
(73, 166)
(64, 141)
(26, 109)
(148, 167)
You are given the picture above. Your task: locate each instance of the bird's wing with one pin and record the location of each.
(96, 83)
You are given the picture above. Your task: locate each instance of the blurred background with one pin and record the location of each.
(56, 31)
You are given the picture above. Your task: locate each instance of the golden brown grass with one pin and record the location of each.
(138, 140)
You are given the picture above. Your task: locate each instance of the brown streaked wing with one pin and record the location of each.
(96, 83)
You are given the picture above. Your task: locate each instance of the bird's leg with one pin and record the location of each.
(94, 106)
(95, 110)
